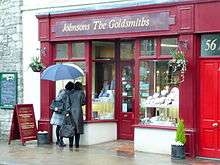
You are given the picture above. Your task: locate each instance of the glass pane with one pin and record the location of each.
(159, 103)
(126, 73)
(127, 105)
(168, 45)
(210, 44)
(148, 47)
(78, 49)
(126, 81)
(127, 50)
(103, 50)
(103, 90)
(61, 84)
(61, 50)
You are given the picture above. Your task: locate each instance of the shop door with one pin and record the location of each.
(126, 114)
(209, 126)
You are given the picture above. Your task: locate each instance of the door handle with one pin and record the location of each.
(215, 124)
(125, 115)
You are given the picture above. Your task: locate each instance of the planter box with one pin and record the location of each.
(177, 152)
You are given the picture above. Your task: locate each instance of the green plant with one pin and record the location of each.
(36, 65)
(178, 62)
(180, 132)
(177, 67)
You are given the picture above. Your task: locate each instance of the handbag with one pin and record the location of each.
(68, 127)
(57, 106)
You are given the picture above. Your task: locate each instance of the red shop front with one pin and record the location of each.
(124, 53)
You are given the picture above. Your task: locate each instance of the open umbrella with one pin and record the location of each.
(61, 72)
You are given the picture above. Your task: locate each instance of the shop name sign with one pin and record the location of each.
(118, 24)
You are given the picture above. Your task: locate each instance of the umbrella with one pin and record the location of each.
(61, 72)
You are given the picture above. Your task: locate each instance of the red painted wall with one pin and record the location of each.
(190, 18)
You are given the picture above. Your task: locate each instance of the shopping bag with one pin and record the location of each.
(68, 127)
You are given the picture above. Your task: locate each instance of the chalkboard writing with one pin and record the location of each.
(8, 90)
(210, 44)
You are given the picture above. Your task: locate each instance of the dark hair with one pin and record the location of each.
(69, 86)
(78, 86)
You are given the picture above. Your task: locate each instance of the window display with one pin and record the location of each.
(158, 102)
(103, 83)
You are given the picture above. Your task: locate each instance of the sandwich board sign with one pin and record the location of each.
(23, 124)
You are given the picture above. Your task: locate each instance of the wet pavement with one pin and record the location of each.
(113, 153)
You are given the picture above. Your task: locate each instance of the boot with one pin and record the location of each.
(61, 143)
(71, 142)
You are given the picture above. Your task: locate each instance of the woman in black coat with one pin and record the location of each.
(57, 118)
(75, 103)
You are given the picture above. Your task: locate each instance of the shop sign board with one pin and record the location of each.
(8, 90)
(23, 124)
(210, 44)
(142, 22)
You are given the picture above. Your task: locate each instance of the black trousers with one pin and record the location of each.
(77, 138)
(58, 132)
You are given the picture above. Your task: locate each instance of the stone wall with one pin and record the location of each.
(10, 53)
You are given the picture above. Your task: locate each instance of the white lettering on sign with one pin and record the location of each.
(68, 27)
(211, 45)
(144, 22)
(112, 24)
(133, 22)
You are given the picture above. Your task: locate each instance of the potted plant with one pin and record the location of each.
(36, 65)
(178, 148)
(177, 67)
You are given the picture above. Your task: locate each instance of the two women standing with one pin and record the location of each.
(73, 99)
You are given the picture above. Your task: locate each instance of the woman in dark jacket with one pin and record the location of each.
(75, 103)
(57, 118)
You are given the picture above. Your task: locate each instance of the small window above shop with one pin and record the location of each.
(158, 47)
(103, 50)
(148, 47)
(61, 51)
(168, 45)
(78, 50)
(210, 45)
(126, 50)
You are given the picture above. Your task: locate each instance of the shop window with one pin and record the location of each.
(148, 47)
(61, 83)
(168, 45)
(103, 90)
(103, 50)
(61, 51)
(126, 50)
(210, 45)
(78, 49)
(159, 103)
